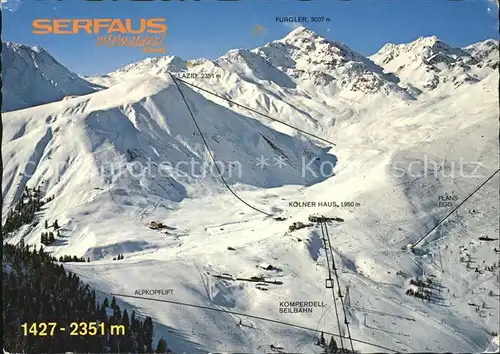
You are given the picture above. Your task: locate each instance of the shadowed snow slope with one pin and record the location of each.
(136, 144)
(32, 77)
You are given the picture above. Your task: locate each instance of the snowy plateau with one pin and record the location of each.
(415, 128)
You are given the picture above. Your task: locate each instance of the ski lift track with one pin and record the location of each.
(175, 80)
(251, 316)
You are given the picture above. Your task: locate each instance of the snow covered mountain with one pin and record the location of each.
(149, 66)
(306, 80)
(429, 64)
(486, 52)
(121, 157)
(145, 119)
(32, 77)
(302, 60)
(314, 61)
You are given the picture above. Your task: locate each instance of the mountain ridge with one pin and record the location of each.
(429, 63)
(31, 76)
(331, 65)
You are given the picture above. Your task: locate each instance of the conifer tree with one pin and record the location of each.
(60, 295)
(135, 340)
(125, 340)
(148, 334)
(125, 319)
(161, 347)
(102, 312)
(117, 315)
(113, 303)
(332, 346)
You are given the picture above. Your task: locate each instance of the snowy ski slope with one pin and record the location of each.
(109, 159)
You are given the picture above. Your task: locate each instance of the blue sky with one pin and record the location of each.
(210, 28)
